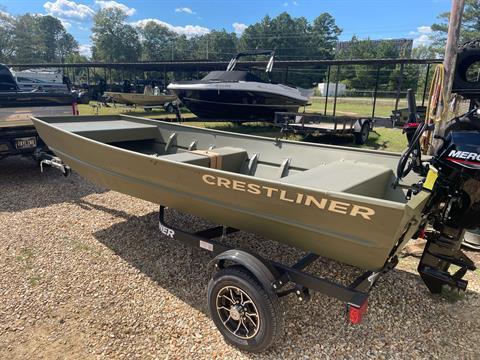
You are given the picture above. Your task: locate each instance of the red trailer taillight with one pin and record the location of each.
(355, 314)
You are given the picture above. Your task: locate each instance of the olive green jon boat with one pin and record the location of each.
(145, 99)
(332, 201)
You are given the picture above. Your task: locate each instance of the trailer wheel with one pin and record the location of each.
(170, 108)
(247, 315)
(362, 136)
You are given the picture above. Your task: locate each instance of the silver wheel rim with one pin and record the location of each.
(237, 312)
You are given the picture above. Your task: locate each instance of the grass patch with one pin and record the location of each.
(26, 256)
(452, 295)
(379, 139)
(96, 108)
(78, 245)
(357, 106)
(34, 280)
(386, 139)
(250, 128)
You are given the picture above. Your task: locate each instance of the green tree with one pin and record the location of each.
(325, 35)
(55, 43)
(363, 77)
(37, 38)
(470, 28)
(66, 46)
(26, 38)
(7, 42)
(216, 45)
(113, 39)
(293, 38)
(157, 41)
(284, 34)
(184, 48)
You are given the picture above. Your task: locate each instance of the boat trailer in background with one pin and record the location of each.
(316, 124)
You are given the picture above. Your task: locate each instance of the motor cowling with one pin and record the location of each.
(459, 162)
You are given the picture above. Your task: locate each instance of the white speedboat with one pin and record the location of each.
(239, 95)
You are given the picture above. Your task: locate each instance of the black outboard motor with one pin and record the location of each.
(452, 176)
(454, 205)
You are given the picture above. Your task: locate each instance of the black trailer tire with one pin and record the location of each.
(170, 108)
(362, 136)
(254, 333)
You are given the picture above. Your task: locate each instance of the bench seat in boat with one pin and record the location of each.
(112, 131)
(344, 176)
(223, 158)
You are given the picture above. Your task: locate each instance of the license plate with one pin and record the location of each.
(26, 143)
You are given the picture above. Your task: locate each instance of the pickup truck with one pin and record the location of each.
(17, 133)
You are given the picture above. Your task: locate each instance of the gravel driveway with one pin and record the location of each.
(84, 273)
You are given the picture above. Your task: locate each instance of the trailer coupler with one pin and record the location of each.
(56, 163)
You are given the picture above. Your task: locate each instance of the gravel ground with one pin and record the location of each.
(84, 273)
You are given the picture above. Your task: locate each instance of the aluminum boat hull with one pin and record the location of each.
(139, 99)
(231, 111)
(134, 156)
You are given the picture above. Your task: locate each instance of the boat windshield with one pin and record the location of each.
(231, 76)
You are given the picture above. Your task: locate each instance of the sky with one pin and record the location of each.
(376, 19)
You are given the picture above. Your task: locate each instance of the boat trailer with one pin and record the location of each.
(276, 280)
(316, 124)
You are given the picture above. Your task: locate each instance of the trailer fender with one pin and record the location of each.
(261, 269)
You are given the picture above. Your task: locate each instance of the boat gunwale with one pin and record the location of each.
(214, 86)
(338, 194)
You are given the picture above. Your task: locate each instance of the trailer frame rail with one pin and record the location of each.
(356, 294)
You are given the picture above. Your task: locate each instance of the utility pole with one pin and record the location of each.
(450, 58)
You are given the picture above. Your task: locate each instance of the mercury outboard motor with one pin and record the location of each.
(452, 176)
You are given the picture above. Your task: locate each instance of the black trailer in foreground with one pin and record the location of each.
(315, 124)
(244, 291)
